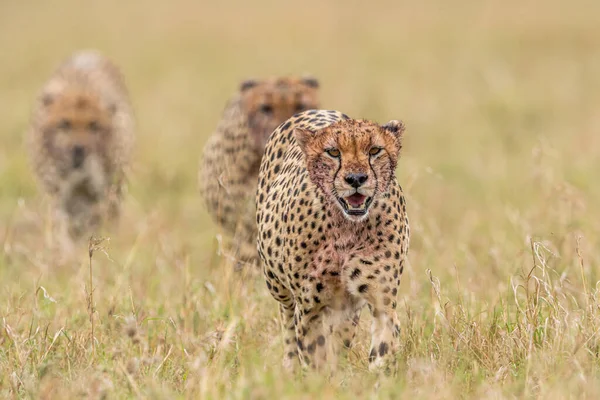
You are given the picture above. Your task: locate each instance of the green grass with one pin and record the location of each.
(500, 99)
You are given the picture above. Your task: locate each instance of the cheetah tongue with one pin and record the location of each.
(356, 200)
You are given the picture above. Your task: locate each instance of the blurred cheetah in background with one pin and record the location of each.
(333, 233)
(80, 140)
(232, 155)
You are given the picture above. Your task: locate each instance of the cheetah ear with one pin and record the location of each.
(311, 81)
(396, 128)
(247, 84)
(303, 137)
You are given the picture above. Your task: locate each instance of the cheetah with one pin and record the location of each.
(80, 140)
(333, 234)
(229, 168)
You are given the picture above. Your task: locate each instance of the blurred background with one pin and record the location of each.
(501, 101)
(488, 91)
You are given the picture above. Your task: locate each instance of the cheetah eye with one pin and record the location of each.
(64, 125)
(266, 109)
(374, 151)
(335, 153)
(94, 127)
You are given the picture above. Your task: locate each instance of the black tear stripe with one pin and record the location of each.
(336, 173)
(376, 179)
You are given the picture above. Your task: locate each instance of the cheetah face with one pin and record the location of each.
(77, 131)
(269, 103)
(352, 162)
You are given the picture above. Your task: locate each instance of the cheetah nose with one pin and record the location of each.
(356, 180)
(78, 156)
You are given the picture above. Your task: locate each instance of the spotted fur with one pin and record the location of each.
(333, 233)
(80, 140)
(232, 155)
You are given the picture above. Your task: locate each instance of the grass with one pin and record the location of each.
(501, 297)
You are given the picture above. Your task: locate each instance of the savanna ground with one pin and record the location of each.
(501, 100)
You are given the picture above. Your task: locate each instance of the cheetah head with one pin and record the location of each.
(270, 102)
(352, 161)
(77, 131)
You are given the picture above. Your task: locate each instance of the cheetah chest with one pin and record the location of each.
(331, 261)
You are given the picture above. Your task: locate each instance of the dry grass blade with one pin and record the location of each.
(94, 245)
(54, 339)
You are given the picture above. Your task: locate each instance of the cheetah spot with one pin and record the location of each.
(383, 349)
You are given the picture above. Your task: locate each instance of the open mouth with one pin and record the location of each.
(355, 204)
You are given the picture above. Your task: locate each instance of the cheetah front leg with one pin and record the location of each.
(61, 241)
(385, 332)
(376, 282)
(287, 307)
(244, 239)
(113, 202)
(310, 336)
(345, 323)
(290, 348)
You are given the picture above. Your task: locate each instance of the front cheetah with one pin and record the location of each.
(80, 140)
(229, 168)
(333, 232)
